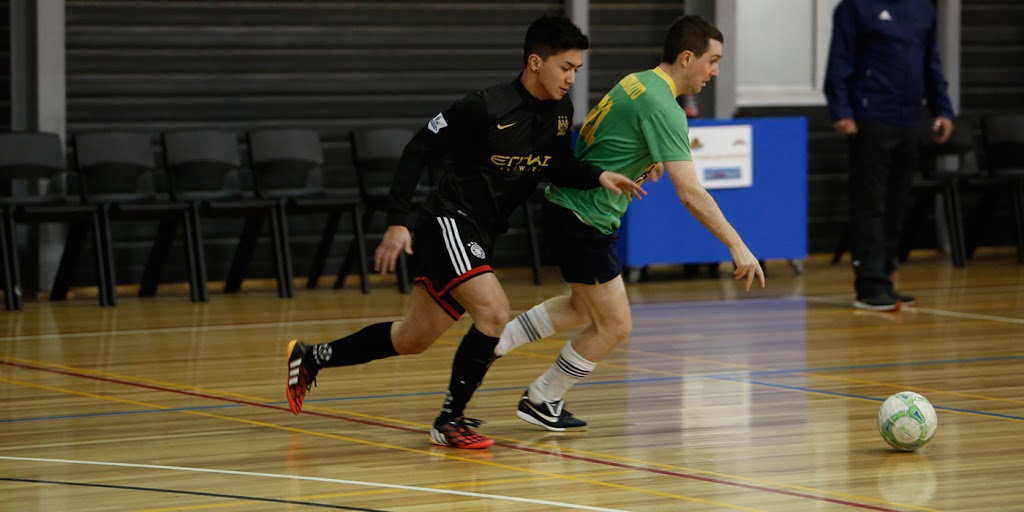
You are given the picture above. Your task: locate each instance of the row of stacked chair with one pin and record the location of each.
(116, 176)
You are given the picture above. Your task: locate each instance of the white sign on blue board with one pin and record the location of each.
(723, 155)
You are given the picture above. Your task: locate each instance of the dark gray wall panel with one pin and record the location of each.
(626, 37)
(992, 56)
(154, 65)
(5, 64)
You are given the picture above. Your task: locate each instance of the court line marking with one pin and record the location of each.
(382, 422)
(410, 488)
(200, 328)
(718, 302)
(406, 449)
(736, 375)
(367, 320)
(191, 493)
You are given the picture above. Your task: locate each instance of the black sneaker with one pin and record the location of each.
(550, 415)
(884, 302)
(907, 300)
(301, 376)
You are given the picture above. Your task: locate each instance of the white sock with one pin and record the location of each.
(567, 370)
(529, 326)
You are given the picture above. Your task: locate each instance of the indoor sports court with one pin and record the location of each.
(720, 400)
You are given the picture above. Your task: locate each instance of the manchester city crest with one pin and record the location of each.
(563, 125)
(476, 250)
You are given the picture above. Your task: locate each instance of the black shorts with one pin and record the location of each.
(583, 253)
(449, 251)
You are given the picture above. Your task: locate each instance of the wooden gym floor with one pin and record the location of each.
(721, 400)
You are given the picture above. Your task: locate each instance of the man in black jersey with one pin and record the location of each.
(494, 147)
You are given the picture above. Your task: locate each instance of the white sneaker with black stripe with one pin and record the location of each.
(550, 415)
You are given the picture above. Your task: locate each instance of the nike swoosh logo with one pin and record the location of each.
(551, 419)
(503, 126)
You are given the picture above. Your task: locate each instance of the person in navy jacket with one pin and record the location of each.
(883, 68)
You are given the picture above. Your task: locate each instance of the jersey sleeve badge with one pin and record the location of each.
(437, 123)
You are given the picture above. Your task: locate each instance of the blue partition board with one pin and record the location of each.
(770, 215)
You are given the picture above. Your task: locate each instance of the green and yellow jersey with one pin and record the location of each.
(635, 125)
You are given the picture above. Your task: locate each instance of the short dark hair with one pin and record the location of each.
(689, 33)
(550, 35)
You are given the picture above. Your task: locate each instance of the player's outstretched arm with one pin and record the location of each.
(704, 208)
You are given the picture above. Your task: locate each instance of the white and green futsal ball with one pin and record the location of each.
(907, 421)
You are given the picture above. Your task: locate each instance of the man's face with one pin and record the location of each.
(703, 69)
(557, 73)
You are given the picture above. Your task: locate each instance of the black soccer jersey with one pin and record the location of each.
(493, 148)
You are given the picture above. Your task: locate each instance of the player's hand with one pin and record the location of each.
(942, 128)
(747, 266)
(621, 185)
(397, 239)
(845, 126)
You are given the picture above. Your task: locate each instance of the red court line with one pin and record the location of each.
(539, 451)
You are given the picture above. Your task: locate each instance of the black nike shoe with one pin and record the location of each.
(550, 415)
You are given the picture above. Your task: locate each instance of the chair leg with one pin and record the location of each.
(403, 273)
(346, 263)
(74, 243)
(153, 272)
(196, 289)
(282, 250)
(531, 232)
(105, 253)
(9, 248)
(954, 224)
(1018, 212)
(198, 256)
(316, 268)
(243, 253)
(843, 244)
(359, 241)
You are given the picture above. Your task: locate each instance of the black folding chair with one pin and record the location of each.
(117, 171)
(1002, 145)
(375, 155)
(203, 170)
(938, 177)
(286, 164)
(32, 175)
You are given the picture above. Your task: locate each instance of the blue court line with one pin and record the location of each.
(730, 376)
(874, 366)
(864, 397)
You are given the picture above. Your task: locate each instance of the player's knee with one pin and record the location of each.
(492, 321)
(617, 330)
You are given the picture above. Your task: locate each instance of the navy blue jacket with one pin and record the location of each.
(883, 61)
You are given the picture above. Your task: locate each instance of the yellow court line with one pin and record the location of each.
(641, 462)
(399, 448)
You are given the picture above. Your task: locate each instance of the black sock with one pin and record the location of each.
(368, 344)
(474, 357)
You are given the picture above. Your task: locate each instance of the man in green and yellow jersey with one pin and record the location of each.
(640, 131)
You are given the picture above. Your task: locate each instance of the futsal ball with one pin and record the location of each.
(907, 421)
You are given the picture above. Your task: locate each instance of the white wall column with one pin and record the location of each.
(579, 13)
(38, 95)
(949, 47)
